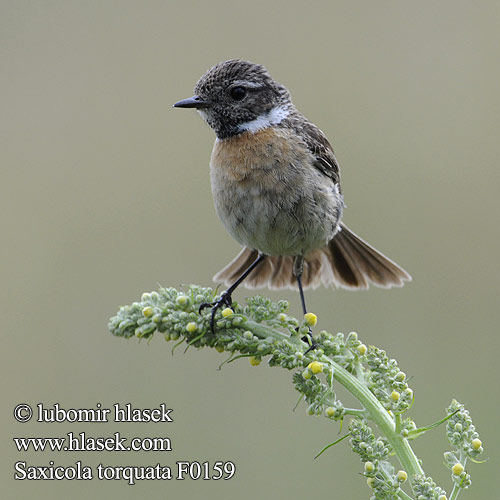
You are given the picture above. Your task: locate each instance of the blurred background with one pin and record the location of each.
(105, 194)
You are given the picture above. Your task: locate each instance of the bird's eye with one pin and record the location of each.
(238, 93)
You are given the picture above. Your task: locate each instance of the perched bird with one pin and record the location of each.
(276, 187)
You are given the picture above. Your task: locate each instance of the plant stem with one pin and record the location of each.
(381, 417)
(454, 492)
(356, 412)
(404, 495)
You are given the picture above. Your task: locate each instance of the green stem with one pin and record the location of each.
(454, 492)
(356, 412)
(397, 420)
(381, 417)
(404, 495)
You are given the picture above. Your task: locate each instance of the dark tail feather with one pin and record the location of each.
(356, 264)
(274, 272)
(346, 262)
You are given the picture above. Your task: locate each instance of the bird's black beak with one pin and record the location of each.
(192, 102)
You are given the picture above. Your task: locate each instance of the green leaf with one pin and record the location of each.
(332, 444)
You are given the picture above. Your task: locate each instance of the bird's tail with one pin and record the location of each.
(346, 262)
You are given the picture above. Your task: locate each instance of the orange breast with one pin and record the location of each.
(252, 155)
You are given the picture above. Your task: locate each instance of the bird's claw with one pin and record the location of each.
(224, 300)
(309, 339)
(312, 344)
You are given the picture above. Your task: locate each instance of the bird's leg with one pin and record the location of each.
(225, 298)
(298, 269)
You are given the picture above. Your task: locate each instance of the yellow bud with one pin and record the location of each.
(476, 444)
(457, 469)
(191, 327)
(362, 349)
(315, 367)
(182, 300)
(370, 482)
(402, 476)
(369, 467)
(282, 317)
(330, 412)
(227, 312)
(442, 497)
(306, 374)
(311, 319)
(219, 348)
(147, 312)
(254, 361)
(395, 396)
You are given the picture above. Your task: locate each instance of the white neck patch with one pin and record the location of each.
(273, 117)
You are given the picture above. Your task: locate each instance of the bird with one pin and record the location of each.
(276, 187)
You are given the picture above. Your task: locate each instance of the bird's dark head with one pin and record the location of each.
(237, 96)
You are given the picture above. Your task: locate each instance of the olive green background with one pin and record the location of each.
(105, 194)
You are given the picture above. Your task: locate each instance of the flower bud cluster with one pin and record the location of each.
(374, 452)
(262, 309)
(175, 314)
(458, 473)
(256, 330)
(333, 346)
(287, 356)
(341, 349)
(382, 480)
(365, 444)
(244, 342)
(317, 394)
(407, 427)
(387, 381)
(461, 432)
(143, 318)
(425, 489)
(336, 411)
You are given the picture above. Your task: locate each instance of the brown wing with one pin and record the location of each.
(319, 146)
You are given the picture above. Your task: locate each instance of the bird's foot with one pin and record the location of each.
(224, 300)
(309, 339)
